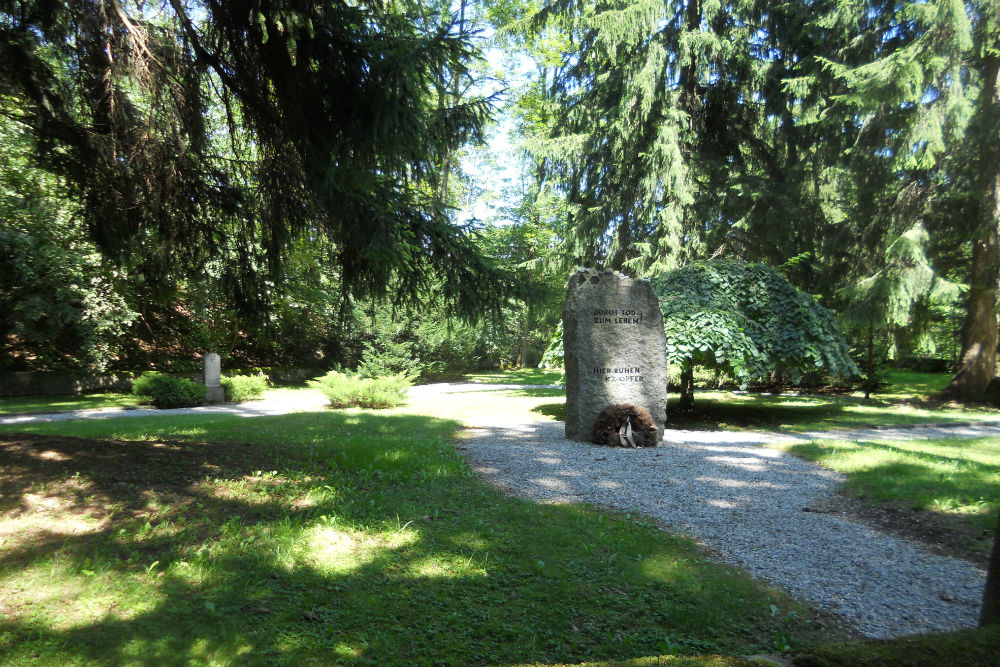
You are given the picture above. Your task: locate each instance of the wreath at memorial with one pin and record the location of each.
(624, 425)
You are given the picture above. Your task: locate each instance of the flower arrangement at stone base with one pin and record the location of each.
(625, 425)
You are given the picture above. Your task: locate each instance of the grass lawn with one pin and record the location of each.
(903, 401)
(517, 376)
(69, 402)
(904, 384)
(338, 537)
(943, 491)
(971, 648)
(723, 410)
(356, 537)
(22, 404)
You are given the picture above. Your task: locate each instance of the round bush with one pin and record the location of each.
(241, 388)
(165, 391)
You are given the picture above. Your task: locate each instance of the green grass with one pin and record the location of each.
(21, 404)
(355, 537)
(945, 475)
(69, 402)
(969, 648)
(955, 482)
(717, 410)
(522, 404)
(912, 384)
(902, 402)
(337, 537)
(517, 376)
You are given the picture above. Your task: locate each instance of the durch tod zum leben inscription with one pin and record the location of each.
(619, 316)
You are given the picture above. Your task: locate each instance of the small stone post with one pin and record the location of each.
(212, 365)
(614, 349)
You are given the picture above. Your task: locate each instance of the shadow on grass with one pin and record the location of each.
(921, 481)
(331, 538)
(555, 410)
(751, 411)
(949, 503)
(969, 648)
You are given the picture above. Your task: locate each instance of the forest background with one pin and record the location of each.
(284, 181)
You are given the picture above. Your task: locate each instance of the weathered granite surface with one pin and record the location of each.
(613, 348)
(211, 363)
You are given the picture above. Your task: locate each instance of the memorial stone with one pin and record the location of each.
(212, 366)
(614, 349)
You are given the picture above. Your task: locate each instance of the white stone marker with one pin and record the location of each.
(211, 364)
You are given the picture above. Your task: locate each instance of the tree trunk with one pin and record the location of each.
(687, 389)
(522, 360)
(871, 363)
(979, 334)
(991, 597)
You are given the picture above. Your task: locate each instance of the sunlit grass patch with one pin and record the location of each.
(64, 403)
(518, 376)
(954, 476)
(491, 405)
(903, 384)
(723, 410)
(955, 481)
(339, 549)
(351, 538)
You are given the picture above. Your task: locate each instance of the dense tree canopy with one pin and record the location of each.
(204, 130)
(748, 320)
(811, 135)
(286, 174)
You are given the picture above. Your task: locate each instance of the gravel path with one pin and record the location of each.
(752, 505)
(749, 503)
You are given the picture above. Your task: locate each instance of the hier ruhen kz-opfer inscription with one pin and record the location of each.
(613, 347)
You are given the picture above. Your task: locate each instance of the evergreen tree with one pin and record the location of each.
(675, 133)
(888, 299)
(330, 121)
(923, 97)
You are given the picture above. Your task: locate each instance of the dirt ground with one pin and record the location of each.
(53, 488)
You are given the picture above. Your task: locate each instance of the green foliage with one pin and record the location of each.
(241, 388)
(669, 130)
(393, 359)
(346, 390)
(60, 306)
(890, 297)
(553, 357)
(166, 391)
(428, 343)
(748, 320)
(221, 148)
